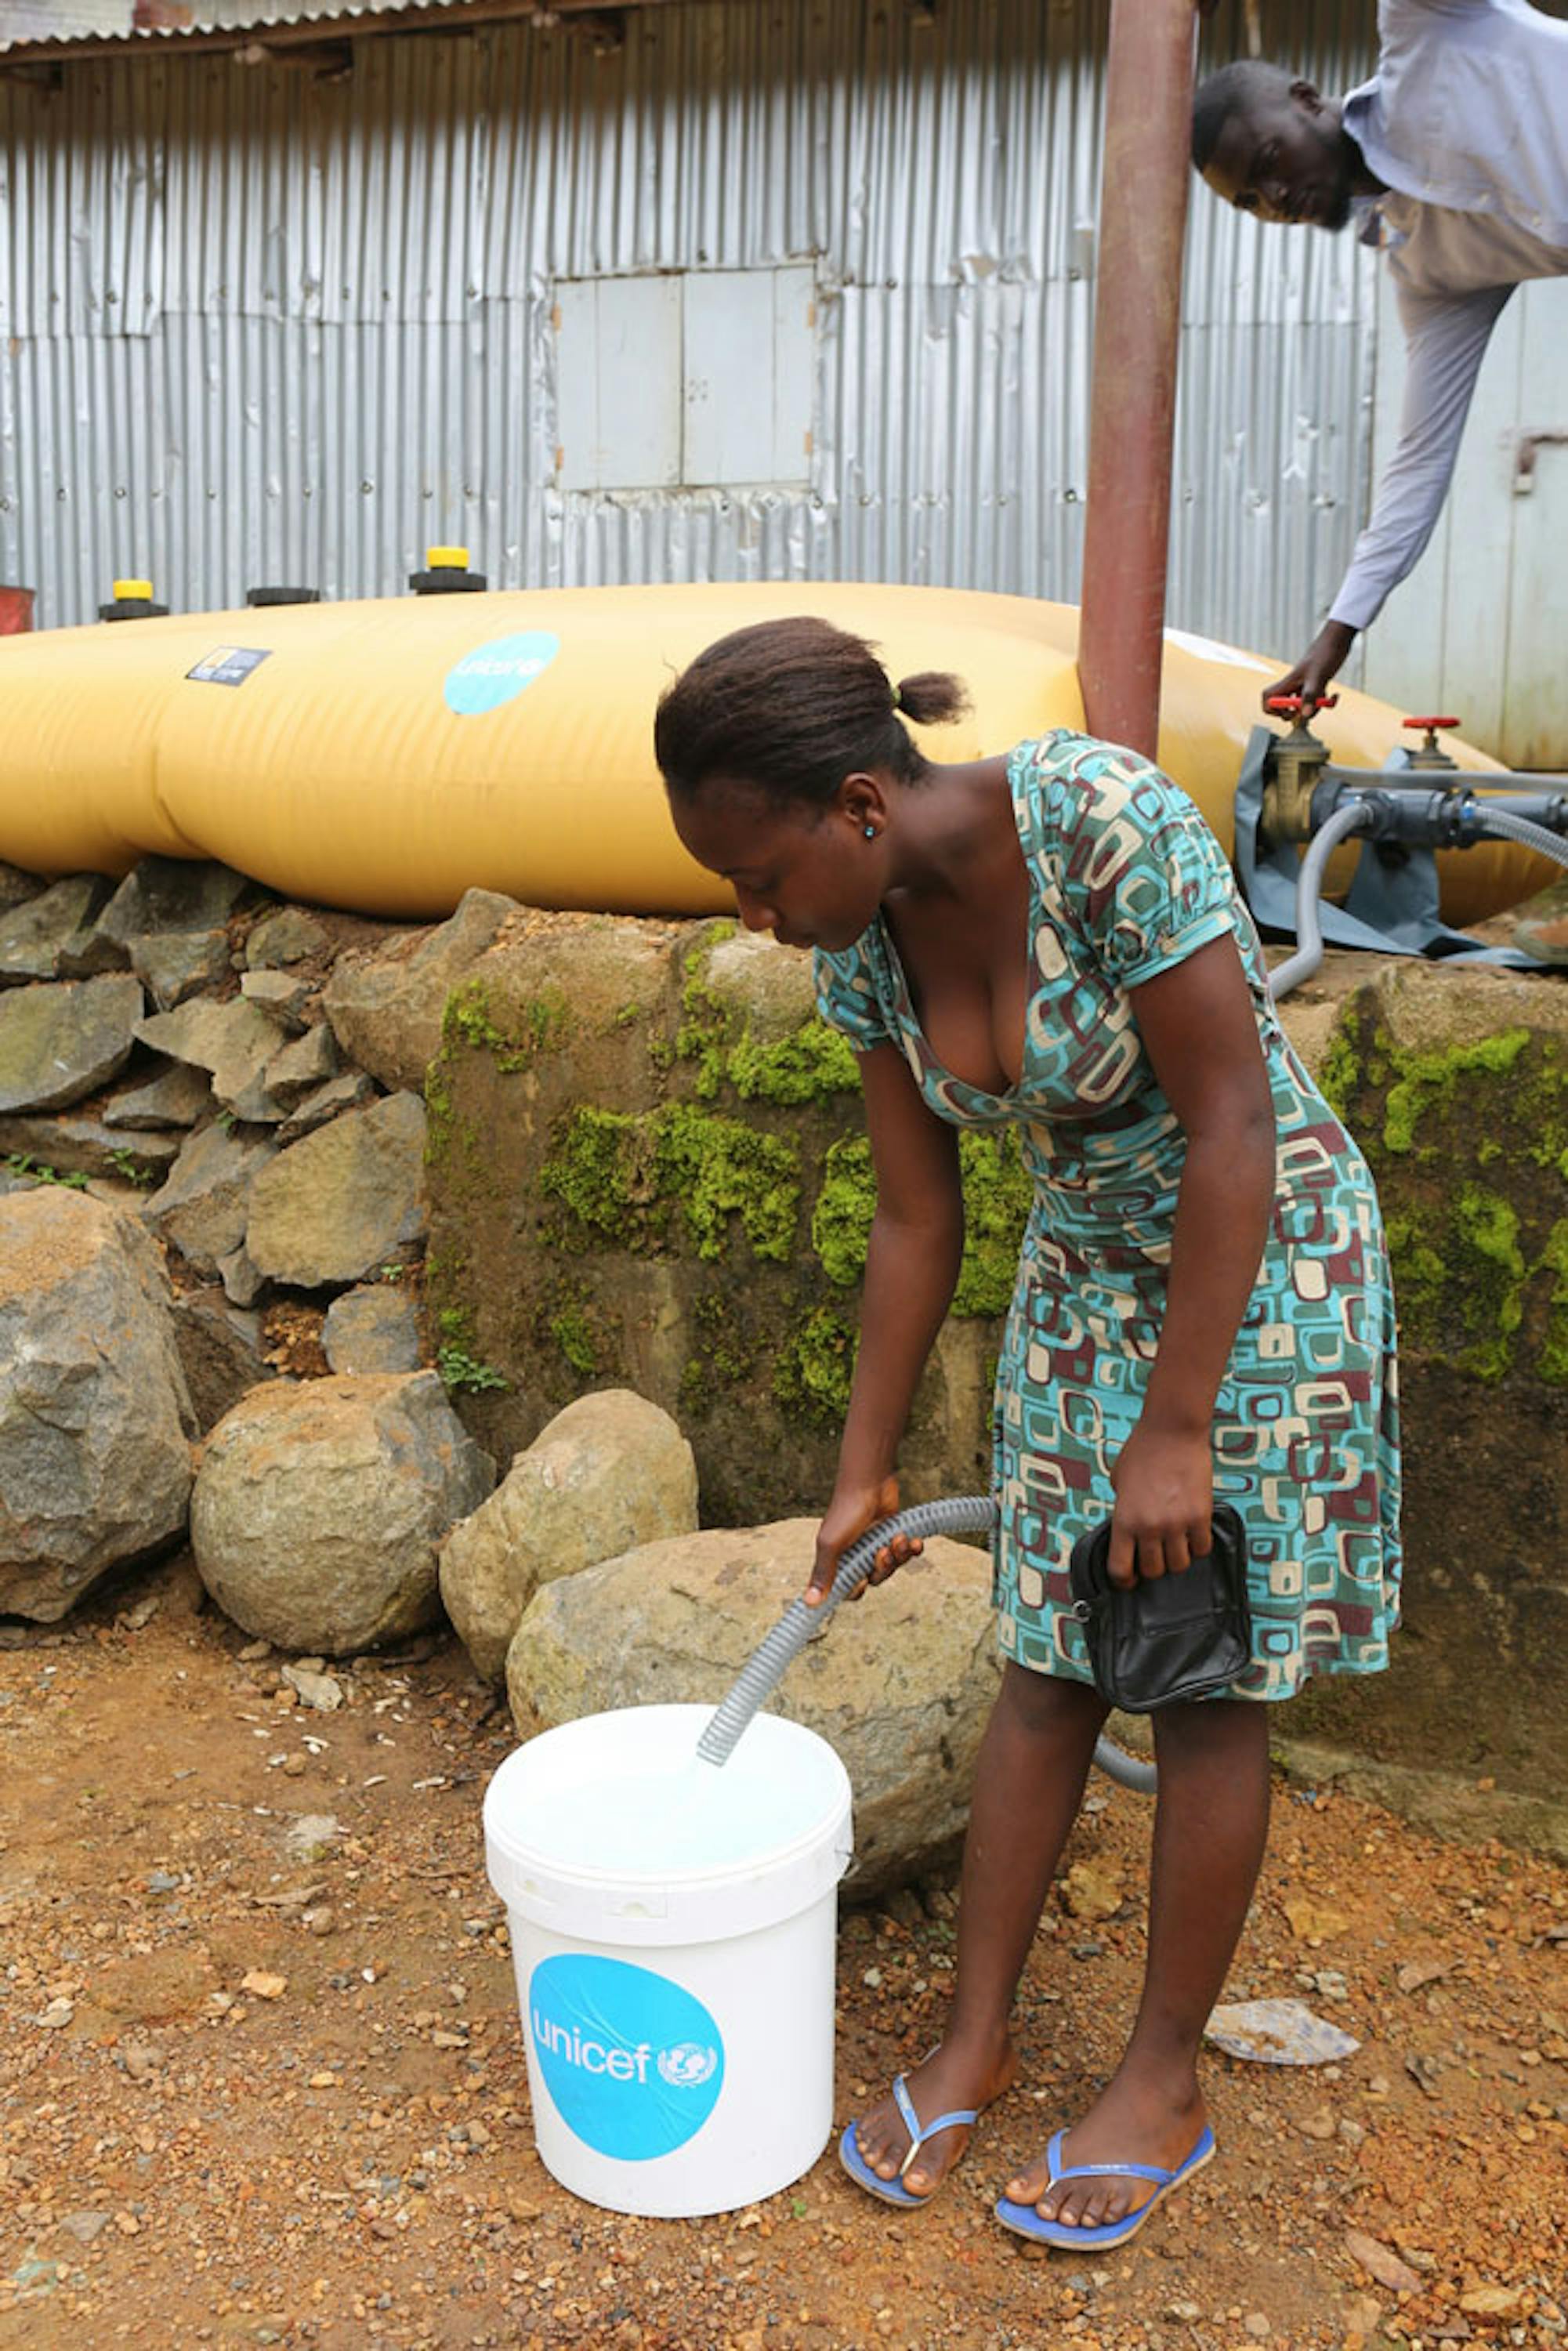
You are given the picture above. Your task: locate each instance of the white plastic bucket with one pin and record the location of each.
(677, 2007)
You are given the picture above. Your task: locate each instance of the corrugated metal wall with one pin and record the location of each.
(261, 325)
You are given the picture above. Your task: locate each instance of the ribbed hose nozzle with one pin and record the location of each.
(959, 1514)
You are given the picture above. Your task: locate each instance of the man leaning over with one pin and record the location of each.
(1453, 160)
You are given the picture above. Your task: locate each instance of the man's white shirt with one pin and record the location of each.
(1465, 120)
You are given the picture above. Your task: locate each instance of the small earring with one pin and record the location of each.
(871, 832)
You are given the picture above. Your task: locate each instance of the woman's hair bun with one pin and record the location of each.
(932, 697)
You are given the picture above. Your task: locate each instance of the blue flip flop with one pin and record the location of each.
(1025, 2221)
(894, 2192)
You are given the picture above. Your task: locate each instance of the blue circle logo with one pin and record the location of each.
(634, 2063)
(499, 670)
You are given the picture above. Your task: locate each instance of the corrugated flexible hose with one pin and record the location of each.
(1503, 825)
(959, 1514)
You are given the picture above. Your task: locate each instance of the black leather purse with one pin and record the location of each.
(1167, 1637)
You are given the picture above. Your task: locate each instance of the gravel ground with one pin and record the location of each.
(261, 2076)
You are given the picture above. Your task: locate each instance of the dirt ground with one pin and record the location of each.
(262, 2079)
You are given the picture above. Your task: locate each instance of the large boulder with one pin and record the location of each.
(342, 1201)
(317, 1509)
(62, 1041)
(94, 1462)
(900, 1683)
(386, 1009)
(609, 1474)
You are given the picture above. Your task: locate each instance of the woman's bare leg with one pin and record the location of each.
(1211, 1823)
(1029, 1784)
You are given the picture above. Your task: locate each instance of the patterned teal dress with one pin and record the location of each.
(1126, 880)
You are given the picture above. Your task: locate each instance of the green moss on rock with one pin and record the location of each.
(808, 1066)
(1460, 1279)
(718, 1168)
(540, 1026)
(727, 1347)
(1339, 1073)
(623, 1178)
(846, 1203)
(1552, 1363)
(574, 1334)
(1467, 1143)
(811, 1064)
(813, 1370)
(997, 1194)
(1425, 1083)
(601, 1171)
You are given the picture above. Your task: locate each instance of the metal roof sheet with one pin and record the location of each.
(50, 27)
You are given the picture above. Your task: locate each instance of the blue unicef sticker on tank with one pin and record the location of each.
(499, 671)
(633, 2061)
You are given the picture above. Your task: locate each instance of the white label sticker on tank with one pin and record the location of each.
(229, 664)
(634, 2063)
(1210, 649)
(496, 672)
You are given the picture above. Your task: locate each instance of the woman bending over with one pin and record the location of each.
(1051, 941)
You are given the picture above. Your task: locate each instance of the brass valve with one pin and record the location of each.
(1294, 768)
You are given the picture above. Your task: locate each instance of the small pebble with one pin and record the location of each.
(85, 2227)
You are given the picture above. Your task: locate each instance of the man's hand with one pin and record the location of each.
(1323, 660)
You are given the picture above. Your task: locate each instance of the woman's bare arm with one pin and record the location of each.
(912, 1267)
(1200, 1032)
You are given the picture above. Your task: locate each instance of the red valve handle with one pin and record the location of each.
(1292, 704)
(1433, 722)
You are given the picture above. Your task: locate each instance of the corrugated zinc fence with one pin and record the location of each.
(263, 324)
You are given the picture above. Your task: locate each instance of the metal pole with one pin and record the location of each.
(1137, 314)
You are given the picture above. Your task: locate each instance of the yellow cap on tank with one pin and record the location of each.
(133, 591)
(446, 558)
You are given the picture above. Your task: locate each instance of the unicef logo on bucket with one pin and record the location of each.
(634, 2063)
(497, 672)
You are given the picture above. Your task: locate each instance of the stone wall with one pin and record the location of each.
(1456, 1083)
(647, 1167)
